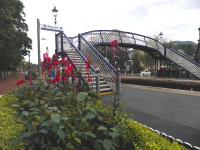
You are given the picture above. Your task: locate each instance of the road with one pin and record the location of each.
(175, 112)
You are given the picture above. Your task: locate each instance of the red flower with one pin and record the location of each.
(114, 43)
(20, 82)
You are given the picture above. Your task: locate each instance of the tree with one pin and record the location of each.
(137, 58)
(13, 34)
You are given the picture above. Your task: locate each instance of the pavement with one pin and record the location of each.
(175, 112)
(9, 84)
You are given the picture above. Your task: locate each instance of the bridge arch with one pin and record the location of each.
(125, 39)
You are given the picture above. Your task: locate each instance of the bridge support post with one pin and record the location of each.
(62, 50)
(97, 85)
(118, 82)
(79, 42)
(165, 52)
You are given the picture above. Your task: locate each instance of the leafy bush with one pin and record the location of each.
(9, 127)
(142, 138)
(148, 140)
(58, 117)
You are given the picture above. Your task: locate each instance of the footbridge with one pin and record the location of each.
(85, 45)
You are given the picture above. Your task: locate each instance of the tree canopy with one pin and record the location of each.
(13, 34)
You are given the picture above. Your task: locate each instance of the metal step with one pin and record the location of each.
(102, 86)
(106, 90)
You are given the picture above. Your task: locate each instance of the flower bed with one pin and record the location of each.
(54, 114)
(61, 118)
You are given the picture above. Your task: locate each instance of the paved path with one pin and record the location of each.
(9, 84)
(175, 112)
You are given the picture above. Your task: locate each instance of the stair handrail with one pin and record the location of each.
(84, 59)
(96, 51)
(106, 63)
(185, 56)
(78, 52)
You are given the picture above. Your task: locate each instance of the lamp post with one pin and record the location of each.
(199, 36)
(197, 55)
(160, 36)
(38, 44)
(55, 14)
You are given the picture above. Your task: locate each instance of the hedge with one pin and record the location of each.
(9, 127)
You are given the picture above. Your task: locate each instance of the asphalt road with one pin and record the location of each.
(175, 112)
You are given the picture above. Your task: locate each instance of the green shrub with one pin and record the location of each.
(142, 138)
(61, 118)
(148, 140)
(55, 118)
(9, 127)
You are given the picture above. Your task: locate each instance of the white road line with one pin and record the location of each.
(167, 90)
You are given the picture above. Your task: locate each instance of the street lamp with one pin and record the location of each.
(160, 36)
(55, 13)
(199, 35)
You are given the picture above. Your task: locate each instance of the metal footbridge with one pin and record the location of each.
(106, 77)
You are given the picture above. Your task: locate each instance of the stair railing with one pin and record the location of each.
(105, 69)
(64, 45)
(183, 61)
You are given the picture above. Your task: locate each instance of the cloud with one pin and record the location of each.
(139, 13)
(177, 19)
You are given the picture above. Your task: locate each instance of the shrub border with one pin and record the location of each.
(172, 139)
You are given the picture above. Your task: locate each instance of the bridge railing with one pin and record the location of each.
(97, 37)
(104, 68)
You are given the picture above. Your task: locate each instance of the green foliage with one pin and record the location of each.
(12, 33)
(138, 58)
(10, 128)
(60, 118)
(57, 118)
(145, 139)
(188, 49)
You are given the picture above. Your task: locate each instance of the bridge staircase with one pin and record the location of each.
(101, 79)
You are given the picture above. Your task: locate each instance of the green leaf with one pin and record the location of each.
(82, 96)
(61, 134)
(55, 118)
(101, 128)
(26, 135)
(77, 140)
(90, 134)
(65, 118)
(114, 134)
(43, 131)
(107, 144)
(90, 115)
(25, 113)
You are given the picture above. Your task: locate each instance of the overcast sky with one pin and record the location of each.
(176, 19)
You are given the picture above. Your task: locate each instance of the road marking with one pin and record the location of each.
(166, 90)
